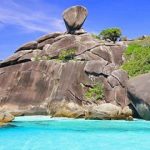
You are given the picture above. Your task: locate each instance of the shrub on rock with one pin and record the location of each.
(66, 55)
(95, 93)
(112, 34)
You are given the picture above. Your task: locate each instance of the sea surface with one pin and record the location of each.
(45, 133)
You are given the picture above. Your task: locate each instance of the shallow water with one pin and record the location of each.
(43, 133)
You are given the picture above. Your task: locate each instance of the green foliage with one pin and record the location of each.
(111, 33)
(66, 55)
(95, 93)
(137, 58)
(38, 58)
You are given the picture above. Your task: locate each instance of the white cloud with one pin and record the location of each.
(30, 18)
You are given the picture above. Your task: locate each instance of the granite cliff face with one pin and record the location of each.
(139, 95)
(52, 75)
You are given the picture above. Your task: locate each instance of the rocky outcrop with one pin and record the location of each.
(53, 74)
(28, 88)
(74, 18)
(105, 111)
(108, 111)
(68, 109)
(139, 95)
(5, 117)
(28, 46)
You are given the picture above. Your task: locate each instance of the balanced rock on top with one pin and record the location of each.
(74, 18)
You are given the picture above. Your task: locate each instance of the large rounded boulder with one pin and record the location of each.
(139, 95)
(74, 18)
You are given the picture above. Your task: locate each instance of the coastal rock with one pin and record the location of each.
(89, 110)
(5, 117)
(74, 18)
(66, 109)
(139, 95)
(41, 78)
(127, 111)
(30, 87)
(107, 111)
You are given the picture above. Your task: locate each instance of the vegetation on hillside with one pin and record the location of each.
(137, 57)
(66, 55)
(111, 33)
(95, 93)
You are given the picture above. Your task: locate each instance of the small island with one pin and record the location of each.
(76, 80)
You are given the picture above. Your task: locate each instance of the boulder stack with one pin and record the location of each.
(53, 74)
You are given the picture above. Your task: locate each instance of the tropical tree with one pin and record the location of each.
(111, 33)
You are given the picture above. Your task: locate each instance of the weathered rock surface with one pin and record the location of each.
(74, 18)
(108, 111)
(68, 109)
(34, 80)
(89, 110)
(139, 95)
(5, 117)
(29, 87)
(19, 57)
(30, 45)
(95, 67)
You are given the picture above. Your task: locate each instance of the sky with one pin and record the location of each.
(22, 21)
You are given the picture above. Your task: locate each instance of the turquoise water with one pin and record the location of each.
(43, 133)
